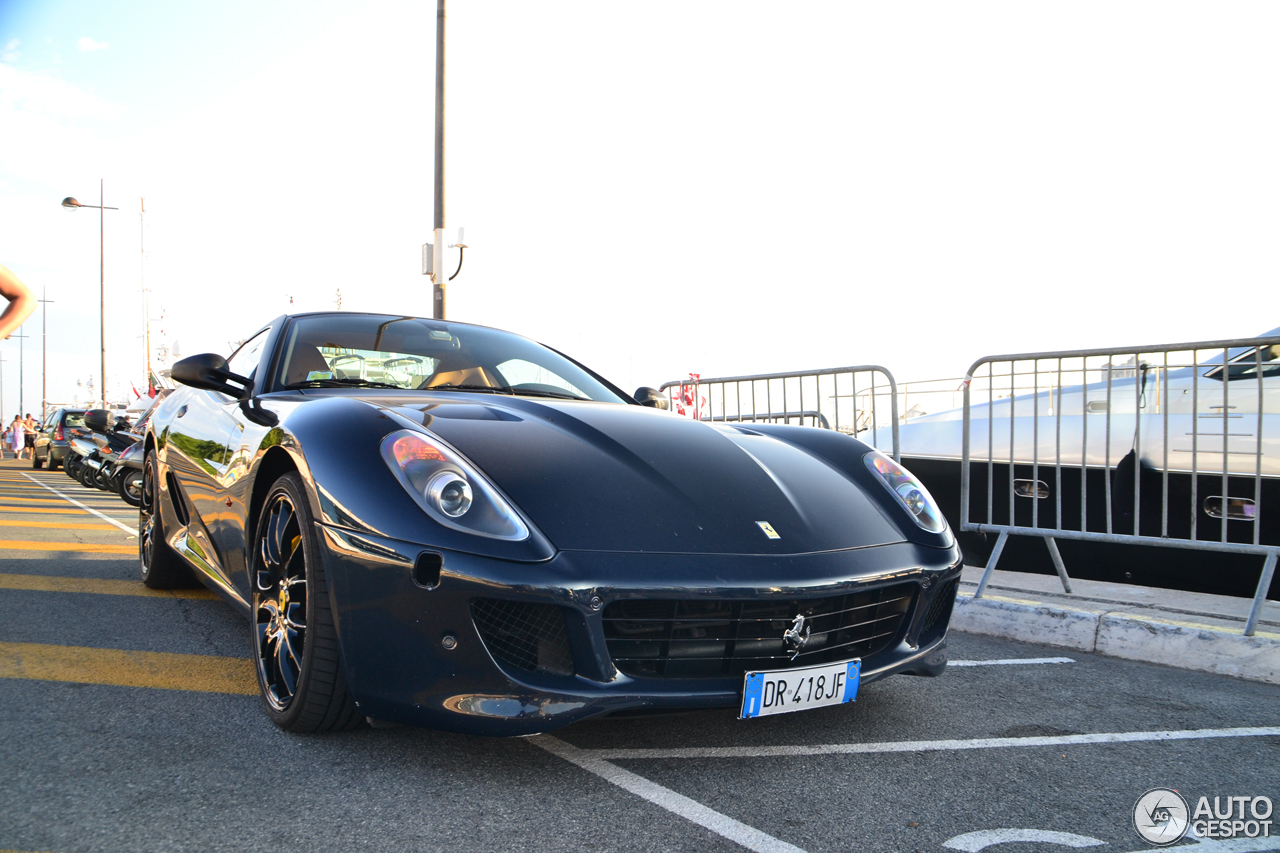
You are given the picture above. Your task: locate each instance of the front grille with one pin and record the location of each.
(693, 638)
(939, 610)
(530, 637)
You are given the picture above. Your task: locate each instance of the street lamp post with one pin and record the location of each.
(44, 354)
(22, 378)
(102, 279)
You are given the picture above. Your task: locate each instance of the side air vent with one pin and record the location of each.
(178, 499)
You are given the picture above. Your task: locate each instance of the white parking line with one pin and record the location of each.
(1010, 662)
(974, 842)
(123, 527)
(722, 825)
(927, 745)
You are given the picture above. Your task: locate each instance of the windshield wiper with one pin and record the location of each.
(559, 395)
(343, 383)
(456, 386)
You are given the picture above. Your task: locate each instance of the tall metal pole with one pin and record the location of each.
(146, 294)
(102, 289)
(22, 381)
(44, 353)
(438, 276)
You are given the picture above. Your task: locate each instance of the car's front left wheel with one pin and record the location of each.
(295, 643)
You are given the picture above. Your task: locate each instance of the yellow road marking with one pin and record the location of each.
(60, 525)
(161, 670)
(34, 500)
(96, 586)
(20, 545)
(36, 509)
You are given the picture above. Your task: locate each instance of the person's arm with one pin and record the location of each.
(21, 302)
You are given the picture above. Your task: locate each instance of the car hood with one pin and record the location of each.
(604, 477)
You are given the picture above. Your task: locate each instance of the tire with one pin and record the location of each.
(37, 462)
(84, 475)
(161, 567)
(299, 670)
(130, 490)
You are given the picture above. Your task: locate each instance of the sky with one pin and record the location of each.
(720, 188)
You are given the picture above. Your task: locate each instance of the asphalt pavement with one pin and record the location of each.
(131, 723)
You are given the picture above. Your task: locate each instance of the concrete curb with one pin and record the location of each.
(1206, 645)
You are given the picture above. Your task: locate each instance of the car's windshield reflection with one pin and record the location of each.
(410, 353)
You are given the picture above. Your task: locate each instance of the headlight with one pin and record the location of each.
(449, 488)
(909, 491)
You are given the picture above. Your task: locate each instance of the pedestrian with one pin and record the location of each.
(16, 436)
(21, 302)
(29, 441)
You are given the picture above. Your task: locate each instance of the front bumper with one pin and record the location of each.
(412, 652)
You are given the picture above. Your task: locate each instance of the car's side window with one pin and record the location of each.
(245, 360)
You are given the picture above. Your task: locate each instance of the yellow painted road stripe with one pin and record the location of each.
(35, 509)
(33, 500)
(17, 545)
(162, 670)
(59, 525)
(96, 586)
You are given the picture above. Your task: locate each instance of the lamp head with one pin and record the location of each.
(71, 202)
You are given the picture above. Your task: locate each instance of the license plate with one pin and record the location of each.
(781, 691)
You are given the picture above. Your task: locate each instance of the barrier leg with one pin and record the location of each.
(1057, 564)
(1259, 597)
(991, 563)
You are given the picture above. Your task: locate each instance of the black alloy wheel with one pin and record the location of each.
(295, 643)
(161, 567)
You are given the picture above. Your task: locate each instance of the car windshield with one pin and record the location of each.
(376, 351)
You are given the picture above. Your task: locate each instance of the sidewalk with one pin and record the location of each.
(1188, 630)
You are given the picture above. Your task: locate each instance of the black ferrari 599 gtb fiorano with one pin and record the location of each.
(452, 526)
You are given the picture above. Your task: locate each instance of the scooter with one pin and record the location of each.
(100, 464)
(81, 448)
(128, 474)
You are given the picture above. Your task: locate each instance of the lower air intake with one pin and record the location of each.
(528, 637)
(935, 622)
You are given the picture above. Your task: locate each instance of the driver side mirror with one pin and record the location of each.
(652, 398)
(208, 371)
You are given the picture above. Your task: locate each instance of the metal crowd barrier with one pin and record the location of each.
(1171, 445)
(829, 399)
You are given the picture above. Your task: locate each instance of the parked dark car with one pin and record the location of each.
(448, 525)
(51, 440)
